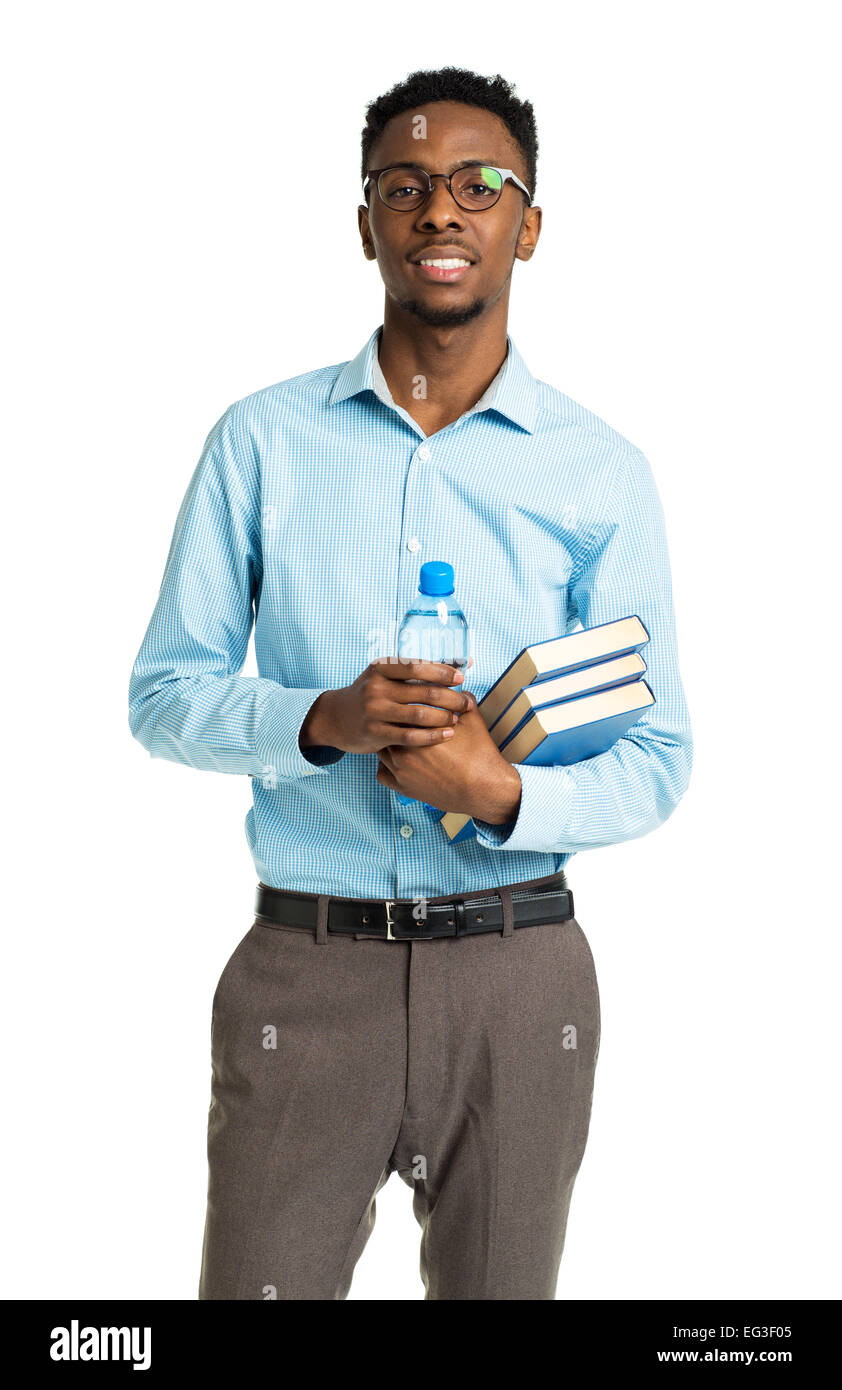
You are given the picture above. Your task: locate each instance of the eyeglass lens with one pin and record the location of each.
(474, 187)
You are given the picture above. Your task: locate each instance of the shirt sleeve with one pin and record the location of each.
(186, 701)
(633, 787)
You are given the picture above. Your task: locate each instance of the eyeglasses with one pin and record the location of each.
(475, 187)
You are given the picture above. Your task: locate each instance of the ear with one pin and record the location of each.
(530, 230)
(365, 233)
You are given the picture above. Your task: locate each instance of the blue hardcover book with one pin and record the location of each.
(468, 831)
(577, 729)
(567, 732)
(559, 656)
(601, 676)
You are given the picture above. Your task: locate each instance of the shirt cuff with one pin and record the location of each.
(278, 730)
(546, 802)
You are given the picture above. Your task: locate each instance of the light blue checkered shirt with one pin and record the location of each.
(311, 509)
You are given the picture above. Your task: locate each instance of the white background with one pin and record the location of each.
(165, 257)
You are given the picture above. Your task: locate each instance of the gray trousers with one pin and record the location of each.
(465, 1064)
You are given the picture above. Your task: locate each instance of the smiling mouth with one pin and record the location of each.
(445, 268)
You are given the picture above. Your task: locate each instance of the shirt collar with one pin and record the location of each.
(512, 393)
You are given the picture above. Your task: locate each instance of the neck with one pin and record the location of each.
(437, 373)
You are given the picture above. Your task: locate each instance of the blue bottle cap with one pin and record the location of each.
(436, 578)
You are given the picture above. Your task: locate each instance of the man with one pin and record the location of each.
(401, 1002)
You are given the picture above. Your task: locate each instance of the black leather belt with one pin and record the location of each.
(416, 919)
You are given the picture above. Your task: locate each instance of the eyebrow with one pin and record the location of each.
(462, 164)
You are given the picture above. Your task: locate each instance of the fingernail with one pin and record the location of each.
(448, 733)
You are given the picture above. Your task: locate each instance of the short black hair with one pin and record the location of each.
(493, 94)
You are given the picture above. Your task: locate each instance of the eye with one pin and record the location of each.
(401, 186)
(479, 184)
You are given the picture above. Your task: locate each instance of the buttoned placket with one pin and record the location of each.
(411, 546)
(412, 556)
(412, 551)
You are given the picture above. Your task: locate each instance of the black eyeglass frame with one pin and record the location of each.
(373, 176)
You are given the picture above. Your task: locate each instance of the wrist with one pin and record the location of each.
(317, 731)
(502, 803)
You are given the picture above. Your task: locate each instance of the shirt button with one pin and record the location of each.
(406, 831)
(423, 453)
(413, 544)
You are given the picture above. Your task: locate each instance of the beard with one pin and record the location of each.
(443, 318)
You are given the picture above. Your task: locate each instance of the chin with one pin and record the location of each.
(443, 317)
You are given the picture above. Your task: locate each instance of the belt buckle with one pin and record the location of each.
(393, 922)
(390, 936)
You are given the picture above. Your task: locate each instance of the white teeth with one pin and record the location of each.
(449, 264)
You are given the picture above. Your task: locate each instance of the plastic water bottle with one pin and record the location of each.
(434, 628)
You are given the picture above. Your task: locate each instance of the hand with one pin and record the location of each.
(382, 709)
(467, 774)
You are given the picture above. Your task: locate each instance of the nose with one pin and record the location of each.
(441, 208)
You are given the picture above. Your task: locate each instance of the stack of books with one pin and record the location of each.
(564, 700)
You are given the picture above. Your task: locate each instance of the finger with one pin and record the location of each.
(398, 668)
(396, 734)
(402, 735)
(430, 704)
(437, 696)
(419, 738)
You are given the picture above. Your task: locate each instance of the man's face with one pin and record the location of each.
(492, 239)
